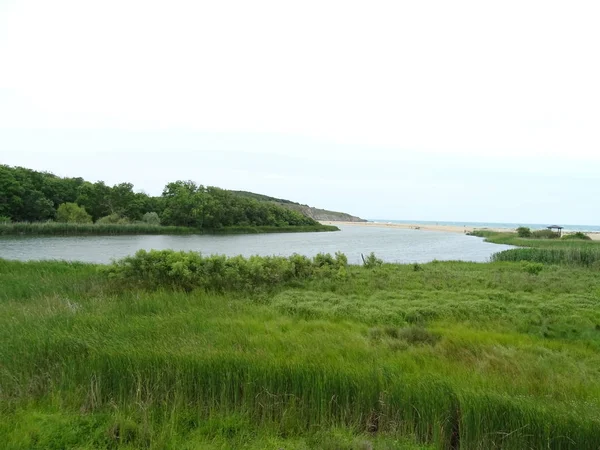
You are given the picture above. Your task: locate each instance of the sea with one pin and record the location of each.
(533, 226)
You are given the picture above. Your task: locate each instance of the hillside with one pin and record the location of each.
(314, 213)
(30, 196)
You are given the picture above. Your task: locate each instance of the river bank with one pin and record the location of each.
(110, 229)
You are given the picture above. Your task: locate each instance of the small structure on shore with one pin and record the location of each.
(556, 228)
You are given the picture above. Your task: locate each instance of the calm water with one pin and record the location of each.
(391, 245)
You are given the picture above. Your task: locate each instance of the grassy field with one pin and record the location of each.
(437, 356)
(75, 229)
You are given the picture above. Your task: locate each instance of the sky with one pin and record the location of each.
(458, 111)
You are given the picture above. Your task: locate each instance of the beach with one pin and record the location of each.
(430, 227)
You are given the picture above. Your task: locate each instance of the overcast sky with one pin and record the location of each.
(466, 111)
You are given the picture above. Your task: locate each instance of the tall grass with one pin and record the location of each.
(584, 256)
(90, 363)
(509, 238)
(76, 229)
(567, 251)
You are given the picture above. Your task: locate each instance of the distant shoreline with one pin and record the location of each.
(430, 227)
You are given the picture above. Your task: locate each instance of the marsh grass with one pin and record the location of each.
(583, 256)
(570, 250)
(466, 356)
(108, 229)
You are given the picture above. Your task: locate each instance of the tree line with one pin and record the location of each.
(30, 196)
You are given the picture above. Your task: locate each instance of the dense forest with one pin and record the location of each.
(30, 196)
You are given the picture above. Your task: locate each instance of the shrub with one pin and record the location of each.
(577, 236)
(151, 218)
(323, 259)
(4, 219)
(341, 260)
(524, 232)
(72, 213)
(534, 268)
(544, 234)
(191, 270)
(372, 261)
(111, 218)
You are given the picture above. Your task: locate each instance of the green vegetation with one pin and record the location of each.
(175, 350)
(569, 250)
(578, 235)
(314, 213)
(109, 229)
(72, 213)
(27, 196)
(583, 256)
(510, 238)
(217, 273)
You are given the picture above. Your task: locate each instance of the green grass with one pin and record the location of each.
(510, 238)
(74, 229)
(565, 251)
(453, 355)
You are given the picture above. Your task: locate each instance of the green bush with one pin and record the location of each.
(372, 261)
(151, 218)
(191, 270)
(5, 219)
(577, 236)
(524, 232)
(72, 213)
(544, 234)
(113, 218)
(534, 268)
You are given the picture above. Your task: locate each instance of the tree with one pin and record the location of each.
(72, 213)
(184, 204)
(11, 192)
(95, 198)
(524, 232)
(151, 218)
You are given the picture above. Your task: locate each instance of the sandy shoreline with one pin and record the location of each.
(430, 227)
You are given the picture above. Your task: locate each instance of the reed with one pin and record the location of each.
(575, 255)
(509, 238)
(109, 229)
(453, 355)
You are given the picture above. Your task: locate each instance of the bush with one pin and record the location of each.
(524, 232)
(5, 219)
(191, 270)
(111, 218)
(151, 218)
(72, 213)
(371, 261)
(577, 236)
(544, 234)
(533, 268)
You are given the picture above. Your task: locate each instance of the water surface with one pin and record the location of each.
(389, 244)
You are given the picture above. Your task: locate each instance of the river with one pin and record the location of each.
(391, 245)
